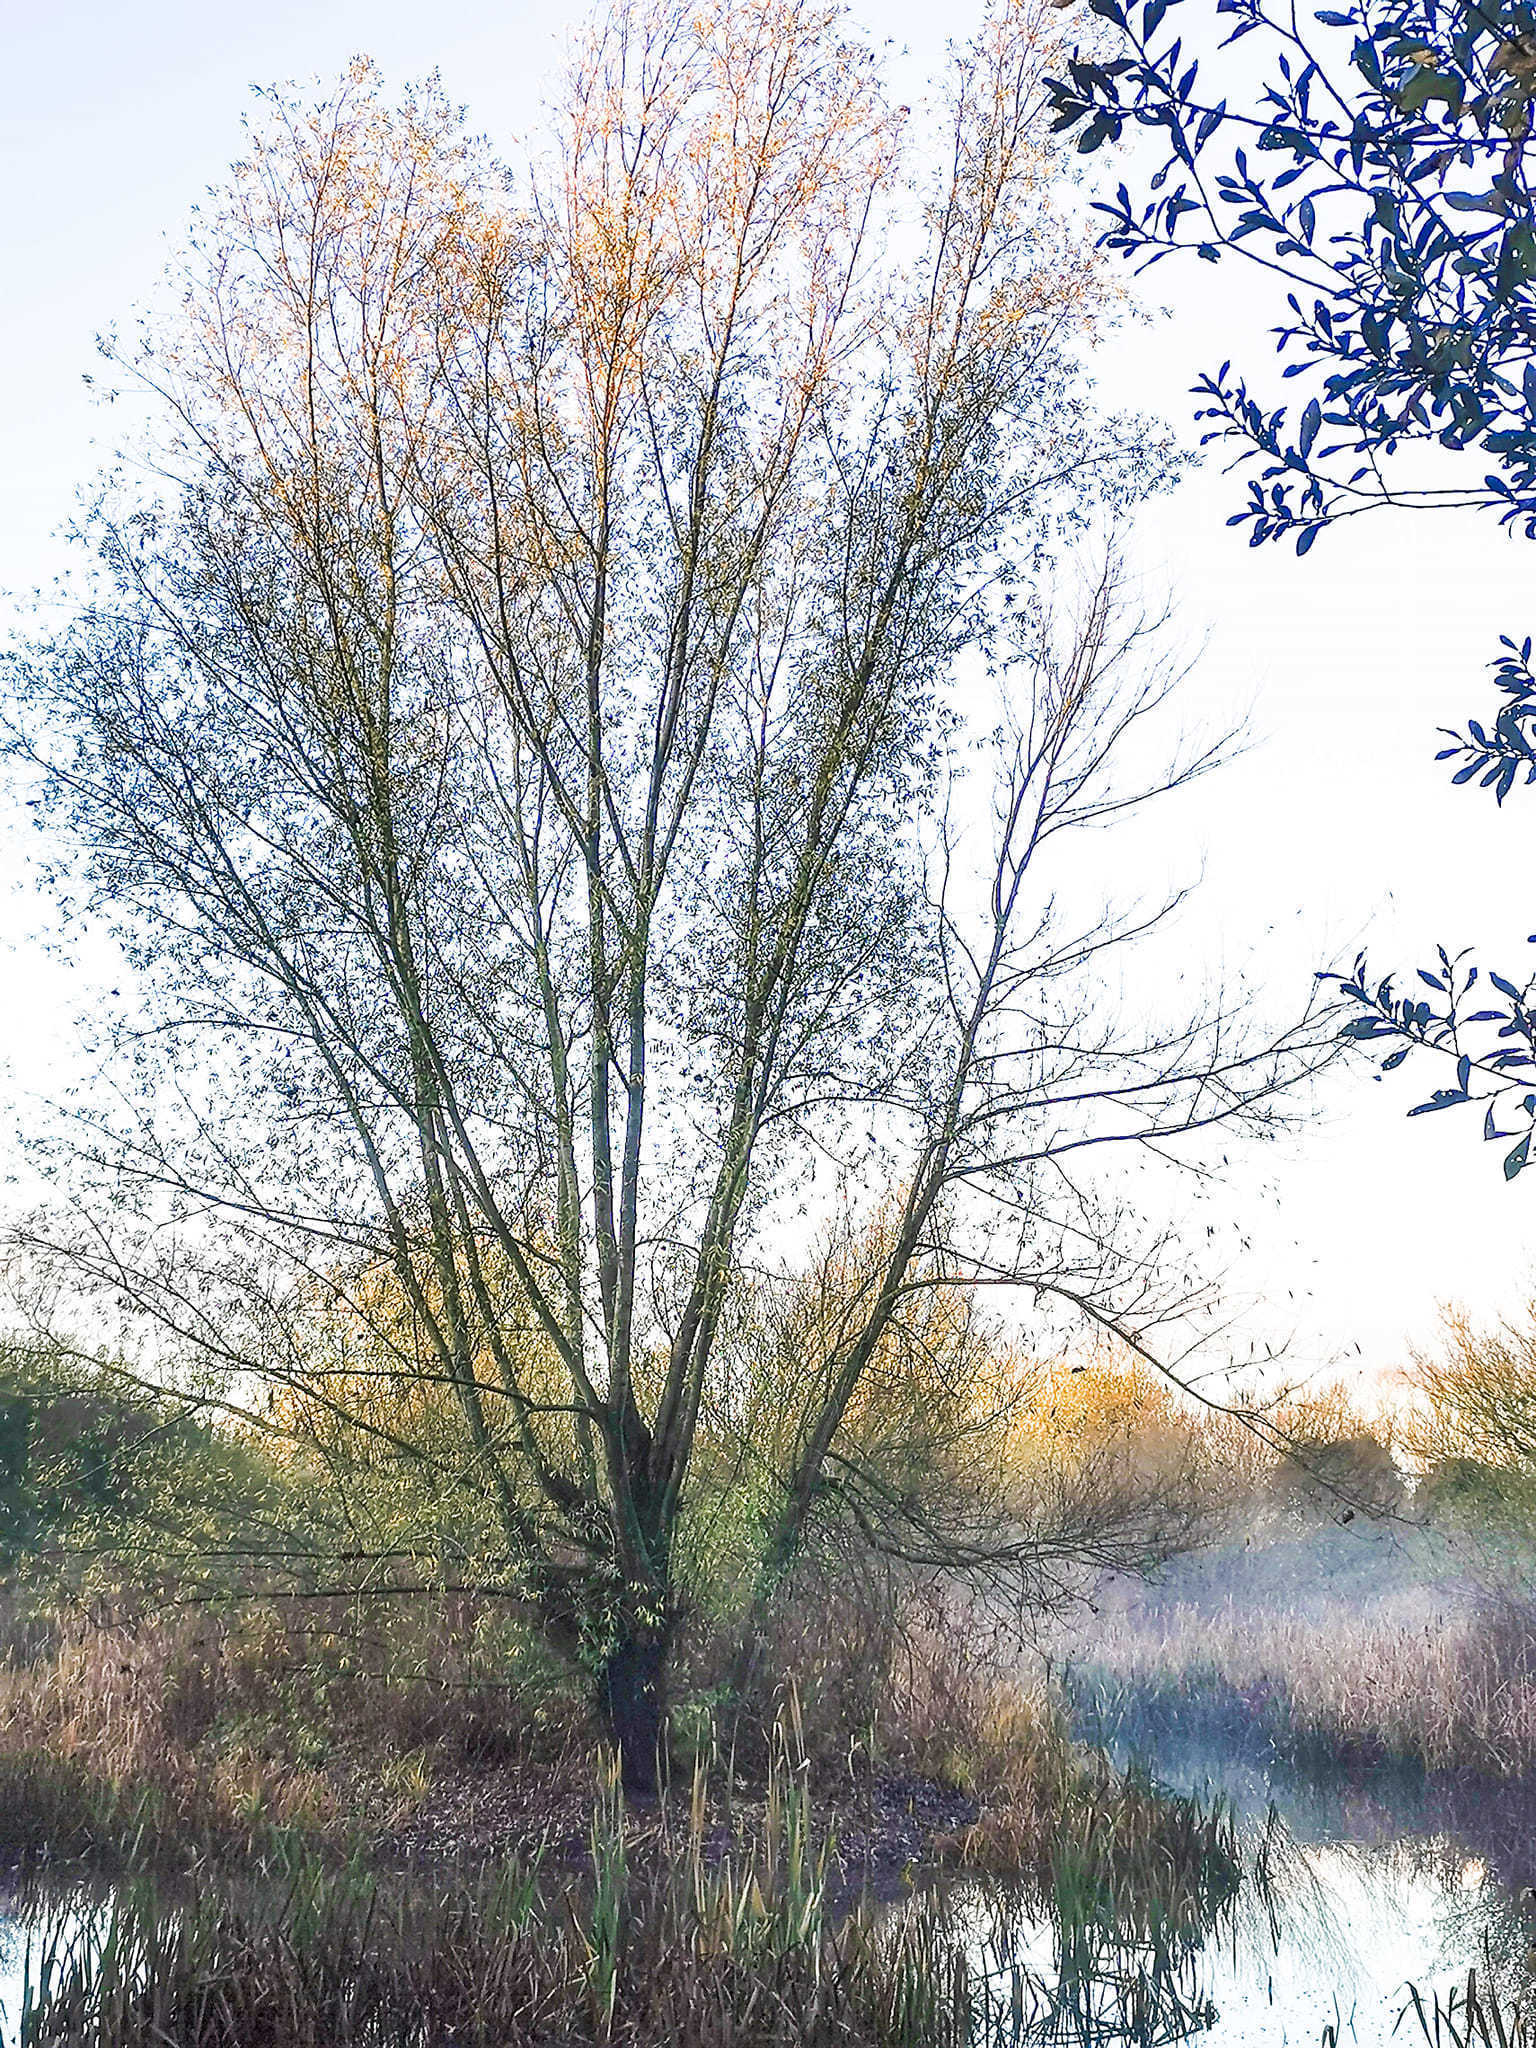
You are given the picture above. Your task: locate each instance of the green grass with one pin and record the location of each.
(688, 1953)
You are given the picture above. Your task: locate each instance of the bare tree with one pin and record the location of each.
(515, 731)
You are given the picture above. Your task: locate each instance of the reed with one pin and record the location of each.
(700, 1927)
(1470, 2015)
(1443, 1690)
(202, 1735)
(603, 1942)
(687, 1952)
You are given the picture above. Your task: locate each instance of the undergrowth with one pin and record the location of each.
(205, 1735)
(688, 1933)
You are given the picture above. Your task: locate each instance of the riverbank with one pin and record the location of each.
(1344, 1648)
(163, 1744)
(497, 1898)
(668, 1936)
(506, 1905)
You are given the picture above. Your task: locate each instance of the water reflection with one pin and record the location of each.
(37, 1926)
(44, 1928)
(1039, 1978)
(1333, 1943)
(1355, 1889)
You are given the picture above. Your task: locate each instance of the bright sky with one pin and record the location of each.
(1337, 827)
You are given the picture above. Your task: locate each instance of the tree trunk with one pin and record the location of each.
(634, 1702)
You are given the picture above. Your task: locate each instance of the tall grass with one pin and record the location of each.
(211, 1733)
(1472, 2015)
(687, 1951)
(1441, 1689)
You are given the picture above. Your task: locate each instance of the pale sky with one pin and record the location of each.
(1336, 828)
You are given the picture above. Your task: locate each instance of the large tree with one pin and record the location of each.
(513, 729)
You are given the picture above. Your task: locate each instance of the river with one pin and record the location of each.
(1359, 1888)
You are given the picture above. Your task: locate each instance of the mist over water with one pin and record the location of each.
(1359, 1697)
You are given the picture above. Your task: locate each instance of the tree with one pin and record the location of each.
(1357, 1472)
(89, 1471)
(1377, 169)
(514, 734)
(1476, 1396)
(1471, 1425)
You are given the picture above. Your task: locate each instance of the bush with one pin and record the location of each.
(1461, 1493)
(1338, 1474)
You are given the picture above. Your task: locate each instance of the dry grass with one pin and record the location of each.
(131, 1709)
(1445, 1690)
(202, 1733)
(719, 1918)
(1102, 1848)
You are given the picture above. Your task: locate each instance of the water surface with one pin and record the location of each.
(1355, 1887)
(1358, 1887)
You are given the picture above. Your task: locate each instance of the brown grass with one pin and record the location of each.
(1444, 1690)
(205, 1732)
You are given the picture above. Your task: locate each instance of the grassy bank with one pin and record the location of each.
(710, 1918)
(130, 1740)
(1396, 1660)
(684, 1944)
(164, 1742)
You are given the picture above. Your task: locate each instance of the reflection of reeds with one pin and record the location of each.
(339, 1959)
(1136, 1883)
(1085, 1966)
(1447, 1692)
(1472, 2015)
